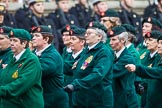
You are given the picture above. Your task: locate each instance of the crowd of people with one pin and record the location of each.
(81, 57)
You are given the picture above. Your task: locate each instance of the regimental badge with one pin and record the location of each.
(1, 30)
(86, 62)
(143, 55)
(38, 29)
(111, 32)
(68, 27)
(90, 24)
(150, 66)
(149, 19)
(74, 65)
(0, 61)
(15, 74)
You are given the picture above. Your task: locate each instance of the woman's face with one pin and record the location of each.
(92, 37)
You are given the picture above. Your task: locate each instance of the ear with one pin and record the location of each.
(123, 40)
(46, 39)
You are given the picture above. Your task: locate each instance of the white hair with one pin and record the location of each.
(103, 34)
(123, 35)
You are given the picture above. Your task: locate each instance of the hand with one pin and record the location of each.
(69, 88)
(130, 67)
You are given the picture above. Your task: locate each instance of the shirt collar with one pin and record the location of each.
(152, 54)
(76, 54)
(119, 52)
(19, 55)
(91, 47)
(69, 50)
(38, 53)
(128, 45)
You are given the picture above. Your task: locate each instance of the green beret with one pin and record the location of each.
(67, 28)
(154, 34)
(58, 1)
(159, 38)
(96, 24)
(153, 21)
(20, 33)
(5, 30)
(42, 29)
(80, 32)
(130, 28)
(116, 31)
(109, 13)
(34, 1)
(95, 2)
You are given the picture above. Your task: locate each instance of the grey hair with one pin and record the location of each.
(123, 35)
(103, 34)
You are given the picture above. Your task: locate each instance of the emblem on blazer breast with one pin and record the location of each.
(143, 55)
(15, 74)
(86, 62)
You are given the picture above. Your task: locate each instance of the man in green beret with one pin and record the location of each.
(20, 84)
(5, 50)
(52, 68)
(154, 75)
(91, 86)
(123, 82)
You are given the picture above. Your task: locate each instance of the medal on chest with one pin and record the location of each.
(86, 62)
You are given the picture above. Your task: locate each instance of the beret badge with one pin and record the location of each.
(1, 30)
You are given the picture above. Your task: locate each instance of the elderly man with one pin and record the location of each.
(20, 84)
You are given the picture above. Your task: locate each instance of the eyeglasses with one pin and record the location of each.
(104, 20)
(89, 33)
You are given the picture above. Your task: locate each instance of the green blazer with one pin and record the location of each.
(93, 78)
(123, 82)
(5, 57)
(154, 74)
(20, 84)
(52, 79)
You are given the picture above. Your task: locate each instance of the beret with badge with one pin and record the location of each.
(116, 31)
(20, 33)
(96, 24)
(130, 28)
(95, 2)
(153, 34)
(5, 30)
(67, 28)
(34, 1)
(79, 32)
(109, 13)
(42, 29)
(153, 21)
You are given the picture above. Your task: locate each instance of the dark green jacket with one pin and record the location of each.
(20, 84)
(123, 82)
(5, 57)
(52, 78)
(93, 78)
(142, 49)
(136, 55)
(154, 74)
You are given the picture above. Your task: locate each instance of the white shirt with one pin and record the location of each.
(38, 53)
(90, 47)
(128, 45)
(76, 54)
(152, 54)
(19, 55)
(119, 52)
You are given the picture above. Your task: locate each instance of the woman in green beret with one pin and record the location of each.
(154, 76)
(20, 84)
(93, 72)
